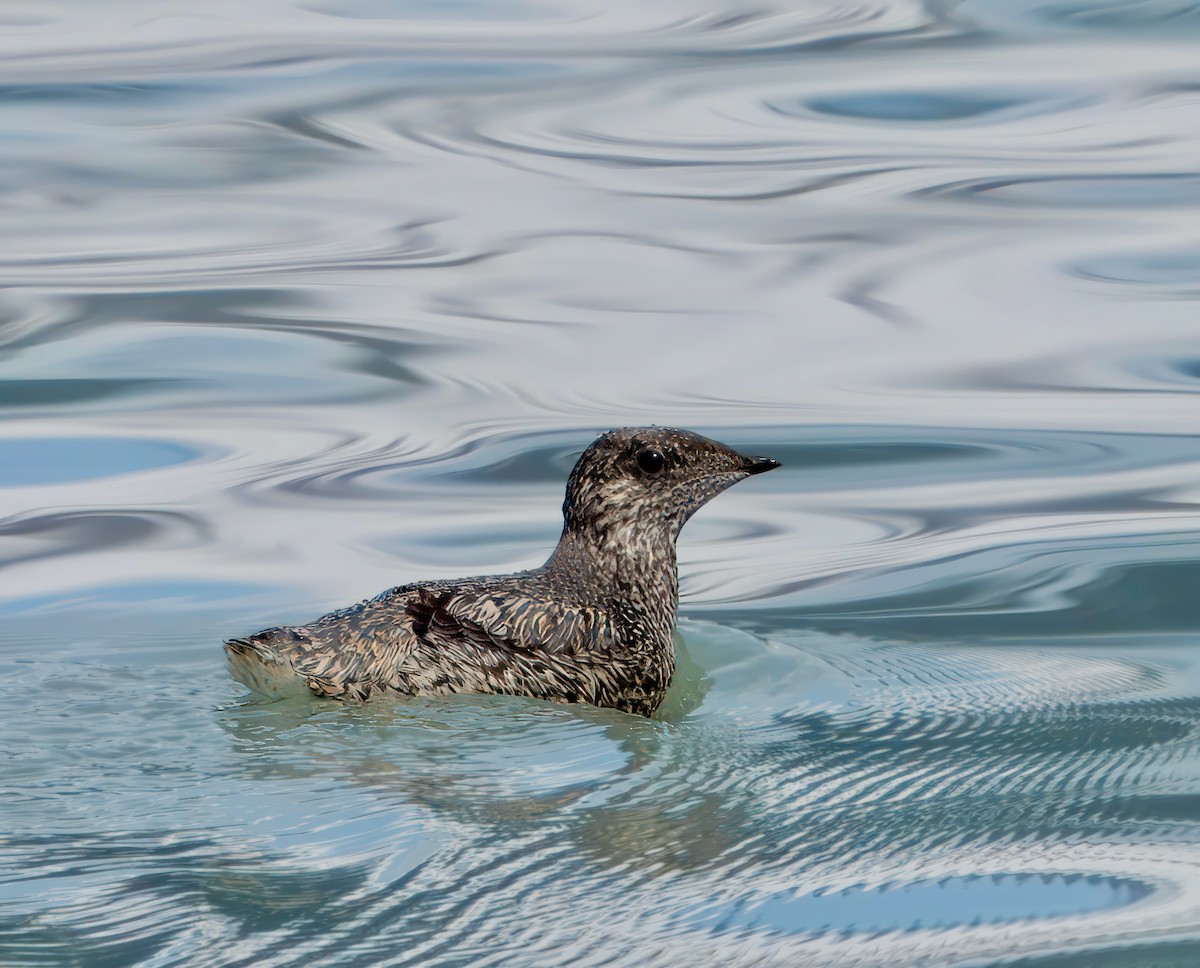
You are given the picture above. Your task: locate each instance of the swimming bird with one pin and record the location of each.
(595, 624)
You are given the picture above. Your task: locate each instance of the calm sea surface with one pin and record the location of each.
(302, 299)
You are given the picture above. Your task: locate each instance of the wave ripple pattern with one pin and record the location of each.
(302, 299)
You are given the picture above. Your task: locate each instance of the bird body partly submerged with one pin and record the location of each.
(595, 624)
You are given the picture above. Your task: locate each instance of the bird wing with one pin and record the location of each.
(493, 641)
(447, 638)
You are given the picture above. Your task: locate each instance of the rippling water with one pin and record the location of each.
(302, 299)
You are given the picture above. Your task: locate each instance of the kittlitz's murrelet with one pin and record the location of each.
(594, 624)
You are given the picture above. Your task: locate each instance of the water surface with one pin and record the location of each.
(302, 300)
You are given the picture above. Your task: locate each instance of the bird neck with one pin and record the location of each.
(636, 566)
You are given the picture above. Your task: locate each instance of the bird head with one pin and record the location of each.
(646, 482)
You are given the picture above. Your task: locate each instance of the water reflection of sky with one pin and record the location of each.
(302, 300)
(950, 902)
(55, 460)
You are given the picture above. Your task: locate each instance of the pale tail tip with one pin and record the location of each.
(265, 673)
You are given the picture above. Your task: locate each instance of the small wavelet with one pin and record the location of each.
(1086, 191)
(913, 106)
(1122, 18)
(1152, 274)
(78, 533)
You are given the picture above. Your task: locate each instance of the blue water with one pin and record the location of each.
(302, 300)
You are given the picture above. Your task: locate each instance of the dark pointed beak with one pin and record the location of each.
(760, 465)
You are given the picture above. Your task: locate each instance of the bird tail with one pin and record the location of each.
(257, 665)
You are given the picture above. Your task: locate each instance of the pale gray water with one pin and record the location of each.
(300, 300)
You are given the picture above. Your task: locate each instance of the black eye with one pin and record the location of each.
(651, 461)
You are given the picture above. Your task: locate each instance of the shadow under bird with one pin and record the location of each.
(595, 624)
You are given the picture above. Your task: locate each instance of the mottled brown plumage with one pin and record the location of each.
(594, 624)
